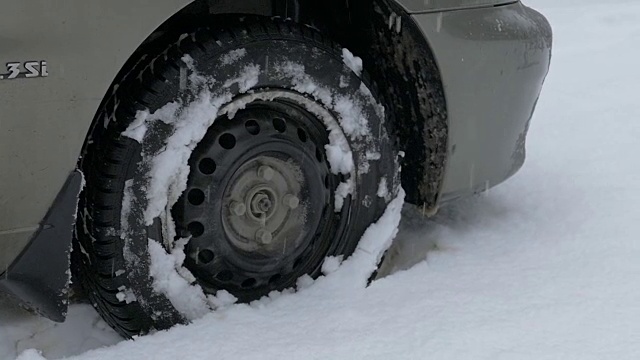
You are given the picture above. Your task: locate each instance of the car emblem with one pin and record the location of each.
(26, 70)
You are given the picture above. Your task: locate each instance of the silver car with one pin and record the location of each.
(235, 144)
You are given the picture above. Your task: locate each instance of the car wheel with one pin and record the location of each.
(241, 157)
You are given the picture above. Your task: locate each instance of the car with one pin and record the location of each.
(175, 153)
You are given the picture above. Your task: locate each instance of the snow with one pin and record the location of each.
(84, 330)
(303, 83)
(339, 154)
(352, 121)
(331, 264)
(247, 79)
(127, 201)
(383, 190)
(194, 80)
(338, 151)
(168, 176)
(353, 62)
(169, 169)
(344, 189)
(542, 267)
(125, 295)
(345, 281)
(395, 22)
(350, 115)
(233, 56)
(188, 299)
(138, 128)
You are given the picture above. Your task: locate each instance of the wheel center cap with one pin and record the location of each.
(264, 211)
(261, 204)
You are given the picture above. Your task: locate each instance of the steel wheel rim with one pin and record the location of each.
(228, 175)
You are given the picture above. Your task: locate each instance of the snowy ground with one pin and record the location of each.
(542, 267)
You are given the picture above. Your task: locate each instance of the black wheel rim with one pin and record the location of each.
(259, 204)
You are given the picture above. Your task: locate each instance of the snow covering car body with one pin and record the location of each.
(464, 76)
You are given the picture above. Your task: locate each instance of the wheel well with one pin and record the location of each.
(394, 53)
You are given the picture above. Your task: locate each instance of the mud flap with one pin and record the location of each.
(39, 278)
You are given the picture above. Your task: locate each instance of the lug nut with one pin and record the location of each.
(291, 201)
(264, 236)
(238, 208)
(266, 172)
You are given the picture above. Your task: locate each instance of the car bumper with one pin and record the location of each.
(493, 62)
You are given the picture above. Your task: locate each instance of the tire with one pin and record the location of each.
(271, 137)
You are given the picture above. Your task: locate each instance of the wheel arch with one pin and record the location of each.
(395, 53)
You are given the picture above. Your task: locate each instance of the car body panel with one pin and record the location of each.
(503, 48)
(493, 62)
(54, 113)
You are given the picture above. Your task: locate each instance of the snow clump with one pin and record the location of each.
(353, 62)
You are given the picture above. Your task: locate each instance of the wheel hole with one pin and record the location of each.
(224, 275)
(252, 127)
(207, 166)
(250, 282)
(297, 263)
(302, 135)
(326, 181)
(274, 279)
(279, 125)
(196, 229)
(195, 197)
(227, 141)
(205, 256)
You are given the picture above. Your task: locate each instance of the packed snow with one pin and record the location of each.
(165, 268)
(541, 267)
